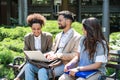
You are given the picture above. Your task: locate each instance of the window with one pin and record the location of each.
(42, 2)
(72, 2)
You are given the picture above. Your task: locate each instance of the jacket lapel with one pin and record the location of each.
(32, 42)
(69, 40)
(42, 41)
(59, 37)
(58, 41)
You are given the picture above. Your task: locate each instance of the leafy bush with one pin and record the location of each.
(115, 40)
(18, 32)
(3, 33)
(6, 72)
(6, 57)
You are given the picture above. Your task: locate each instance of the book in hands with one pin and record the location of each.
(84, 74)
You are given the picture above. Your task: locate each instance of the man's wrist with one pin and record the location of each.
(58, 55)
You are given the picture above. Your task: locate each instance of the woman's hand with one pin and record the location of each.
(53, 57)
(47, 55)
(71, 64)
(50, 56)
(73, 71)
(67, 67)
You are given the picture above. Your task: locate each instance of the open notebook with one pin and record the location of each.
(84, 74)
(36, 55)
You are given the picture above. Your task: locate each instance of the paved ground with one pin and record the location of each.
(3, 79)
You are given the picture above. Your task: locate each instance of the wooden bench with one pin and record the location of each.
(17, 64)
(114, 64)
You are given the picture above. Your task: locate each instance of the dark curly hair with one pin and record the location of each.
(35, 18)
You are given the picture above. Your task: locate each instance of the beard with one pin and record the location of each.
(62, 27)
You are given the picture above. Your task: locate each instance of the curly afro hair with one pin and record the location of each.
(36, 18)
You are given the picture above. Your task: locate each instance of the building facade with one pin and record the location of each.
(16, 11)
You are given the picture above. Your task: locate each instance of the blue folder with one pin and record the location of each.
(84, 74)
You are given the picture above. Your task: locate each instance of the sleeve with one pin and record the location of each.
(49, 42)
(101, 55)
(81, 43)
(73, 50)
(26, 43)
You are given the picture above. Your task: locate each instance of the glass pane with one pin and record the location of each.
(43, 2)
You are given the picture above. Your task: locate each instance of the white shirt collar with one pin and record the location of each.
(64, 38)
(39, 37)
(68, 32)
(37, 42)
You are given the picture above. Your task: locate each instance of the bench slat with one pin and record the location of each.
(114, 59)
(13, 66)
(116, 66)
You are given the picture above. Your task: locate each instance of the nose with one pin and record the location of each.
(58, 22)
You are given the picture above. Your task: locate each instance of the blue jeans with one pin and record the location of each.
(30, 71)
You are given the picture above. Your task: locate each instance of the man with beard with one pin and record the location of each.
(65, 47)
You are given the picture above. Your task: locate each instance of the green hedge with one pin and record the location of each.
(115, 40)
